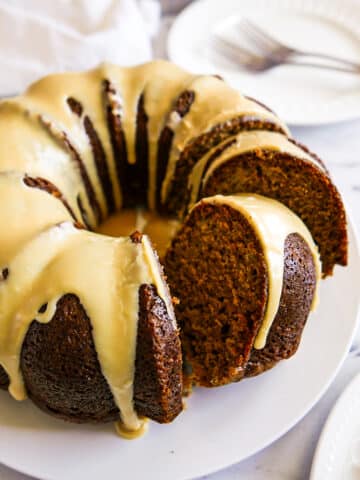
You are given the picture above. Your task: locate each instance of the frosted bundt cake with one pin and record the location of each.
(87, 327)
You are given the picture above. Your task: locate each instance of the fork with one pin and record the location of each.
(278, 50)
(271, 53)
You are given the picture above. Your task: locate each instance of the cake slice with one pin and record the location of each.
(269, 164)
(245, 269)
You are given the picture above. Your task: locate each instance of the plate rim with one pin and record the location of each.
(335, 409)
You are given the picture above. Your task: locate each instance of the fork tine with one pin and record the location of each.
(259, 42)
(241, 54)
(267, 40)
(247, 58)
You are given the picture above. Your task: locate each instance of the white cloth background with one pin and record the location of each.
(60, 35)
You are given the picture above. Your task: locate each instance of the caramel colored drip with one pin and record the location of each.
(242, 143)
(272, 222)
(132, 434)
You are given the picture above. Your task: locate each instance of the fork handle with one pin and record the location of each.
(335, 68)
(324, 56)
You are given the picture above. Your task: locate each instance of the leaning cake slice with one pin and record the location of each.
(245, 269)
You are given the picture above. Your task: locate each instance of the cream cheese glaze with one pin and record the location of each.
(46, 102)
(242, 143)
(272, 222)
(26, 147)
(67, 260)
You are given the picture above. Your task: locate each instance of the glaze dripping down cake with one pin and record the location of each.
(87, 324)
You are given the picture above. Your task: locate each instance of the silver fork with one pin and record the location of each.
(279, 50)
(239, 55)
(271, 53)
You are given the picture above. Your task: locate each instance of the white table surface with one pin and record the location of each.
(290, 457)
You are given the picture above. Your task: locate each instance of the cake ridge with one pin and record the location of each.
(50, 188)
(113, 106)
(99, 155)
(63, 140)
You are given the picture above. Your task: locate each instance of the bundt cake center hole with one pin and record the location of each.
(125, 222)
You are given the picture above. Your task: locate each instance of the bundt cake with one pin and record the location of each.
(87, 326)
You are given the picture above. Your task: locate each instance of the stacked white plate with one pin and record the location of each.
(300, 95)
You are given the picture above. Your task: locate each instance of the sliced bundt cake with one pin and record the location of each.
(87, 327)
